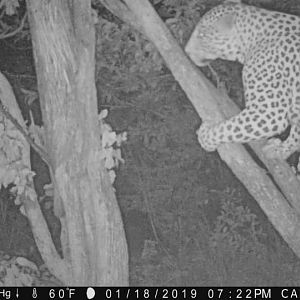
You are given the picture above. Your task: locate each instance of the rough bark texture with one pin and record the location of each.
(282, 210)
(92, 237)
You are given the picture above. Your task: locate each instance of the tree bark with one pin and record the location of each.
(282, 208)
(93, 239)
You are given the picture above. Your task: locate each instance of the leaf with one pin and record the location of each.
(30, 95)
(103, 114)
(112, 175)
(37, 133)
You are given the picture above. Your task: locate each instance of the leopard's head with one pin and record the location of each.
(214, 36)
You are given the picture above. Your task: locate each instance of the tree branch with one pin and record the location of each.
(5, 35)
(121, 10)
(42, 153)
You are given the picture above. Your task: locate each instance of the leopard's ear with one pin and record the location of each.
(225, 23)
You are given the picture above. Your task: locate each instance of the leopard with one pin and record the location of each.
(267, 44)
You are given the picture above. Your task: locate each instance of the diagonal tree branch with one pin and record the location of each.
(120, 9)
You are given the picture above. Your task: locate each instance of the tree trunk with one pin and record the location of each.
(93, 239)
(282, 208)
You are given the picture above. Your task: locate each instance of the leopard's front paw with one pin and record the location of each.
(274, 149)
(205, 139)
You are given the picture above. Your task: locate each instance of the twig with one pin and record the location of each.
(215, 75)
(18, 75)
(43, 154)
(5, 35)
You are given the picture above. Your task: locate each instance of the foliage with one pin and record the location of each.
(124, 52)
(10, 6)
(238, 227)
(19, 271)
(111, 142)
(14, 163)
(13, 20)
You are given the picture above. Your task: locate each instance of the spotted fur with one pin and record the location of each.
(267, 43)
